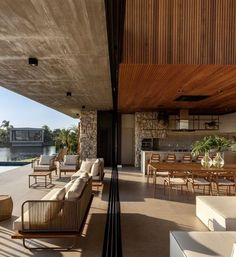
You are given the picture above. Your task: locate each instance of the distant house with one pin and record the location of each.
(26, 136)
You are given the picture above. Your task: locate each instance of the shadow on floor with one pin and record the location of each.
(146, 236)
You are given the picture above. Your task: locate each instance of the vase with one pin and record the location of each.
(218, 161)
(206, 161)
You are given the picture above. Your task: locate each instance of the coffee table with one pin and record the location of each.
(39, 174)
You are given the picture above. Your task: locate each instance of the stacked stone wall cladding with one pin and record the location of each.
(88, 135)
(147, 126)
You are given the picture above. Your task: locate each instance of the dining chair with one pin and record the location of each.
(176, 178)
(187, 158)
(155, 158)
(170, 158)
(199, 158)
(225, 180)
(200, 179)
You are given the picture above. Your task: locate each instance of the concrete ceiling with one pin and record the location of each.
(70, 41)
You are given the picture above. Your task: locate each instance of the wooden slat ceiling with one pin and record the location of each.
(150, 87)
(174, 45)
(70, 40)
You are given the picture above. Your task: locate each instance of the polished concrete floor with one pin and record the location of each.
(15, 183)
(147, 216)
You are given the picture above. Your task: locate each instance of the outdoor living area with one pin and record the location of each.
(147, 215)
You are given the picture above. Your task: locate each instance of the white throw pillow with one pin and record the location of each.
(86, 166)
(68, 185)
(45, 159)
(76, 189)
(95, 168)
(53, 208)
(84, 176)
(70, 159)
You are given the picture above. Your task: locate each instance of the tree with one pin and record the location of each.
(48, 135)
(68, 138)
(5, 132)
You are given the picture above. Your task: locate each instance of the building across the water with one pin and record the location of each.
(26, 136)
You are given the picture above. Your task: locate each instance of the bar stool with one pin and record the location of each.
(171, 158)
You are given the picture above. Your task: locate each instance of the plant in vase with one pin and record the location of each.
(208, 143)
(203, 147)
(220, 144)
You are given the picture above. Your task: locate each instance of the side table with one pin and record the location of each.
(6, 206)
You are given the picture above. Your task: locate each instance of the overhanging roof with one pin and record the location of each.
(69, 38)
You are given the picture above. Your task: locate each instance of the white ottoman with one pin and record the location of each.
(218, 213)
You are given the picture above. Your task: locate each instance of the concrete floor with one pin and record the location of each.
(15, 183)
(147, 216)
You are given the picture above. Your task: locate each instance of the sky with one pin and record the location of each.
(23, 112)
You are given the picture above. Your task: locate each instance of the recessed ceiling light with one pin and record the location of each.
(33, 61)
(191, 98)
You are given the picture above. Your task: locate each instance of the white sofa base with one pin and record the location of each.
(201, 244)
(217, 212)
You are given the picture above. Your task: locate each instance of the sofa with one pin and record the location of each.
(94, 167)
(61, 210)
(202, 244)
(217, 212)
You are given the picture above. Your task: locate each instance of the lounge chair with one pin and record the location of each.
(44, 163)
(70, 164)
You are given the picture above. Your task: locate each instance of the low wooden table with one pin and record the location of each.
(37, 174)
(6, 206)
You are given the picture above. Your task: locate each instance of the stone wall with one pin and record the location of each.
(88, 135)
(147, 125)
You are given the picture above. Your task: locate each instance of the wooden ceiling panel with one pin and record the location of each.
(151, 86)
(180, 32)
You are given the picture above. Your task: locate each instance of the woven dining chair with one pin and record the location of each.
(225, 180)
(200, 179)
(155, 158)
(177, 179)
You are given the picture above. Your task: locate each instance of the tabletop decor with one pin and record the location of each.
(209, 144)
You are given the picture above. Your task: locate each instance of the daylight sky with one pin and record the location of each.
(23, 112)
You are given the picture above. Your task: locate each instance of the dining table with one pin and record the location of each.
(189, 167)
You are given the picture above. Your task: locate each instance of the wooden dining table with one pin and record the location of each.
(190, 167)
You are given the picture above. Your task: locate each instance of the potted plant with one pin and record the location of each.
(203, 147)
(215, 143)
(219, 144)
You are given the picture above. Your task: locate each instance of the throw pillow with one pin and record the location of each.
(95, 169)
(86, 166)
(45, 159)
(53, 208)
(70, 159)
(76, 190)
(68, 185)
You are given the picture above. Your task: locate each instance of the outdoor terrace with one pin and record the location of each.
(147, 216)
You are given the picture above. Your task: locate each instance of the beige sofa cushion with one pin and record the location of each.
(52, 209)
(95, 170)
(45, 159)
(86, 166)
(17, 225)
(68, 185)
(85, 176)
(70, 159)
(76, 189)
